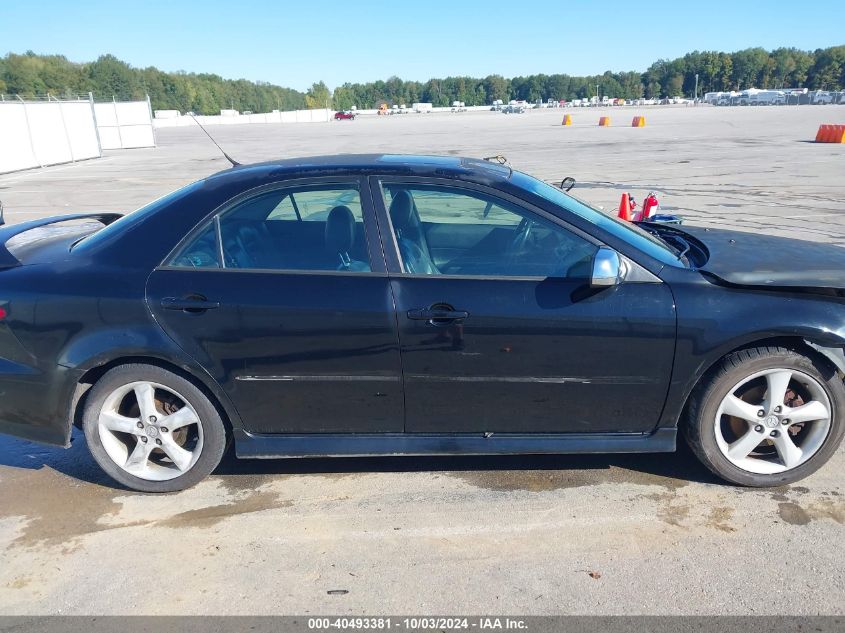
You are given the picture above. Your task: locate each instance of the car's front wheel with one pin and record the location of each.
(152, 430)
(766, 416)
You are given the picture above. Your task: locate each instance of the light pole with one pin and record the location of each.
(597, 94)
(695, 96)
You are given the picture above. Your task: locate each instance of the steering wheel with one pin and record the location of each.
(520, 239)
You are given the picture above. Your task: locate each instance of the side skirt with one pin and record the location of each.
(248, 445)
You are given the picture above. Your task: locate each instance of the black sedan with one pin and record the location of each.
(412, 305)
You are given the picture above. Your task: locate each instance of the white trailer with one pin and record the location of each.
(821, 97)
(767, 97)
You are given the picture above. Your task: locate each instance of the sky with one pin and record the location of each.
(298, 43)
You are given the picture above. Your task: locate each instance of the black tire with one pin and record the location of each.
(213, 430)
(698, 424)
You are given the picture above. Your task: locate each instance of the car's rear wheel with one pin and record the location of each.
(766, 416)
(152, 430)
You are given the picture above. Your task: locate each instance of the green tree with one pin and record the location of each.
(749, 67)
(674, 85)
(318, 96)
(828, 71)
(112, 77)
(30, 74)
(496, 87)
(726, 71)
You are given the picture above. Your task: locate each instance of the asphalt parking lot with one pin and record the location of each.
(520, 535)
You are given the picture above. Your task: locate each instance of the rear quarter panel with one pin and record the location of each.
(65, 319)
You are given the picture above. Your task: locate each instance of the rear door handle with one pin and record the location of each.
(189, 304)
(437, 314)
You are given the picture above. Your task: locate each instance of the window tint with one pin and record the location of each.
(310, 228)
(284, 210)
(313, 205)
(626, 231)
(450, 207)
(200, 252)
(446, 231)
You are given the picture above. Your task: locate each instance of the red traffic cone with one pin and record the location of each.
(625, 208)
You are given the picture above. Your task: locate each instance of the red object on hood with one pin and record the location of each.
(649, 206)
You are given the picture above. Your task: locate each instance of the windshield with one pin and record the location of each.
(626, 231)
(132, 219)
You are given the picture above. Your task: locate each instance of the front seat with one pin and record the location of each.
(409, 235)
(340, 238)
(239, 247)
(247, 244)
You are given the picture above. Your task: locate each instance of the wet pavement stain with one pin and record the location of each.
(61, 496)
(240, 475)
(787, 493)
(780, 494)
(56, 508)
(826, 506)
(793, 513)
(244, 484)
(212, 515)
(19, 583)
(576, 472)
(527, 480)
(827, 509)
(670, 510)
(719, 518)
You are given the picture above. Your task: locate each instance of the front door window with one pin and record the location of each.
(448, 231)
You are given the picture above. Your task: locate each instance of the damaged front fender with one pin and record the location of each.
(835, 355)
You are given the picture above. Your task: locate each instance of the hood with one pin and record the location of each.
(752, 259)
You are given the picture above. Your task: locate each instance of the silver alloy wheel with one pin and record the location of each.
(759, 432)
(150, 431)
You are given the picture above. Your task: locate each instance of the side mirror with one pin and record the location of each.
(2, 219)
(567, 183)
(608, 268)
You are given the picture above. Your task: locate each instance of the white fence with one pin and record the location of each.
(295, 116)
(41, 133)
(172, 118)
(125, 125)
(35, 134)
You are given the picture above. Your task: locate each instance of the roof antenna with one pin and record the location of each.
(229, 158)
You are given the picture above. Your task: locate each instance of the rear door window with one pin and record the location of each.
(311, 228)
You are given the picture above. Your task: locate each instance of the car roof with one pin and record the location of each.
(418, 165)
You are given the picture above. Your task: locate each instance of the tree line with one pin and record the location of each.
(749, 68)
(30, 74)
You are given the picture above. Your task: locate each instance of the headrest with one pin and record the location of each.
(402, 211)
(340, 230)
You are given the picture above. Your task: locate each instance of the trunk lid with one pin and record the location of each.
(47, 239)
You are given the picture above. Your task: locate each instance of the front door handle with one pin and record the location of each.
(195, 303)
(437, 315)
